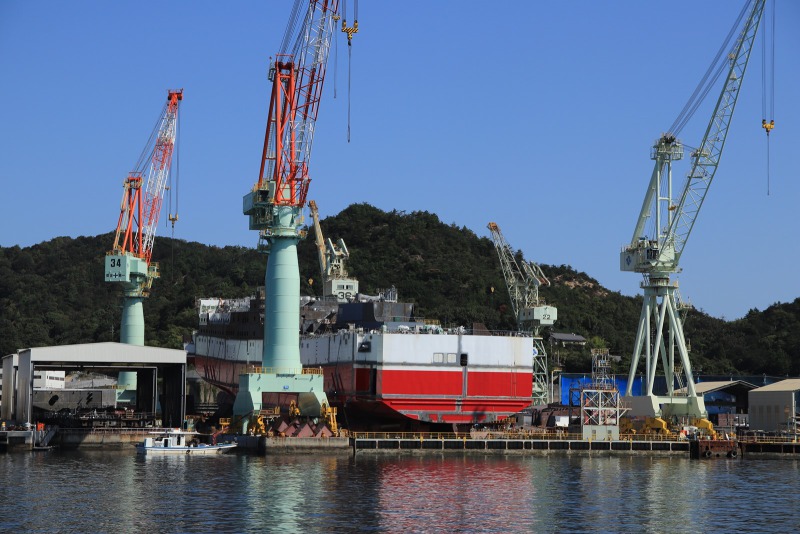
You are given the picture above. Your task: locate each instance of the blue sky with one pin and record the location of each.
(536, 115)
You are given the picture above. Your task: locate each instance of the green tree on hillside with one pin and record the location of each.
(449, 272)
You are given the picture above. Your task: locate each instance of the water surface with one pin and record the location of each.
(104, 491)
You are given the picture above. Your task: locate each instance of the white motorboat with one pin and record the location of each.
(180, 442)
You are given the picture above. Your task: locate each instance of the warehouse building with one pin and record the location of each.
(776, 407)
(33, 382)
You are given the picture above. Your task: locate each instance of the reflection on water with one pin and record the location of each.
(454, 493)
(120, 491)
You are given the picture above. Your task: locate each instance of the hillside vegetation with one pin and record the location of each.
(53, 293)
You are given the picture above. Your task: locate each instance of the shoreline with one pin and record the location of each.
(120, 439)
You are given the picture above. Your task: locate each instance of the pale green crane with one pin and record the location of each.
(656, 255)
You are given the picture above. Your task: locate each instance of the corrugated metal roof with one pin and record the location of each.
(105, 352)
(567, 337)
(708, 387)
(790, 384)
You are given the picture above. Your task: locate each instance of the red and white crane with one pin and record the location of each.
(129, 261)
(275, 203)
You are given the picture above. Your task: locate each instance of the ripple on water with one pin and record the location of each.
(120, 491)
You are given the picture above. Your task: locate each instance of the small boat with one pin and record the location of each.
(178, 442)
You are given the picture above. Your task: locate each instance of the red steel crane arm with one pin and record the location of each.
(297, 81)
(140, 209)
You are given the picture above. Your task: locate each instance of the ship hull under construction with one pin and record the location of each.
(403, 379)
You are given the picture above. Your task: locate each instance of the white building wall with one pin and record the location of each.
(48, 379)
(600, 432)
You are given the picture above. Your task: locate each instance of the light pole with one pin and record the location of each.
(553, 384)
(788, 420)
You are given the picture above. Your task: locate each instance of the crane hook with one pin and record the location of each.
(349, 30)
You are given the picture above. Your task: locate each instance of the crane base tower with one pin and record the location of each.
(261, 390)
(665, 406)
(658, 338)
(282, 379)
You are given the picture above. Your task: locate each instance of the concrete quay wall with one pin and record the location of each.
(73, 438)
(766, 450)
(278, 445)
(17, 440)
(519, 446)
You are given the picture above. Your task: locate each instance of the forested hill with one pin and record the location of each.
(53, 293)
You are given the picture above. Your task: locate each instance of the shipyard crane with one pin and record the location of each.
(319, 240)
(275, 204)
(523, 279)
(332, 263)
(129, 263)
(665, 223)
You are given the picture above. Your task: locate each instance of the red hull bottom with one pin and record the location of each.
(383, 414)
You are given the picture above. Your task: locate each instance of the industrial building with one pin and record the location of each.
(776, 407)
(34, 384)
(725, 396)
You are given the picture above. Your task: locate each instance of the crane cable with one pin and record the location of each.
(290, 27)
(173, 218)
(149, 147)
(768, 78)
(715, 69)
(349, 30)
(349, 77)
(335, 61)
